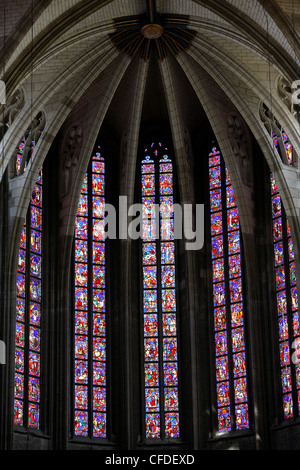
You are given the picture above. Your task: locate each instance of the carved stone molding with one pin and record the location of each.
(72, 145)
(10, 111)
(27, 144)
(239, 142)
(285, 92)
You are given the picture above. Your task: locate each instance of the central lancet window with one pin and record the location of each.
(89, 327)
(228, 300)
(161, 400)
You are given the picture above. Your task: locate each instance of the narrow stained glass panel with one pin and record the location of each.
(90, 408)
(230, 349)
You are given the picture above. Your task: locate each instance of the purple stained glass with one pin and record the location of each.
(165, 167)
(232, 219)
(223, 393)
(149, 253)
(35, 289)
(167, 252)
(81, 275)
(34, 338)
(216, 223)
(148, 185)
(286, 379)
(151, 349)
(98, 253)
(224, 419)
(281, 303)
(166, 206)
(166, 183)
(152, 400)
(169, 324)
(240, 390)
(35, 241)
(221, 343)
(152, 425)
(21, 261)
(18, 413)
(81, 347)
(242, 416)
(170, 349)
(151, 375)
(234, 266)
(98, 229)
(149, 276)
(99, 277)
(230, 198)
(293, 276)
(149, 229)
(81, 227)
(99, 324)
(98, 207)
(170, 374)
(291, 249)
(98, 166)
(20, 285)
(219, 294)
(98, 185)
(99, 373)
(81, 423)
(81, 298)
(82, 206)
(33, 389)
(284, 354)
(233, 242)
(99, 349)
(239, 364)
(81, 397)
(99, 300)
(20, 309)
(36, 217)
(150, 325)
(99, 424)
(36, 264)
(172, 425)
(236, 290)
(218, 270)
(99, 399)
(214, 158)
(148, 207)
(167, 229)
(171, 399)
(215, 177)
(148, 168)
(35, 314)
(19, 386)
(238, 340)
(277, 229)
(276, 205)
(294, 298)
(168, 276)
(168, 300)
(220, 318)
(150, 301)
(222, 372)
(19, 336)
(216, 200)
(288, 406)
(81, 372)
(34, 363)
(280, 278)
(217, 247)
(278, 253)
(33, 415)
(237, 315)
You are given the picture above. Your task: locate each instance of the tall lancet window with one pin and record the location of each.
(159, 297)
(228, 300)
(28, 316)
(90, 377)
(287, 298)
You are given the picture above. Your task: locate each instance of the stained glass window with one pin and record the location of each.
(228, 300)
(28, 316)
(159, 297)
(287, 304)
(90, 365)
(283, 147)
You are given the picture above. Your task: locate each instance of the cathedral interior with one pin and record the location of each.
(141, 339)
